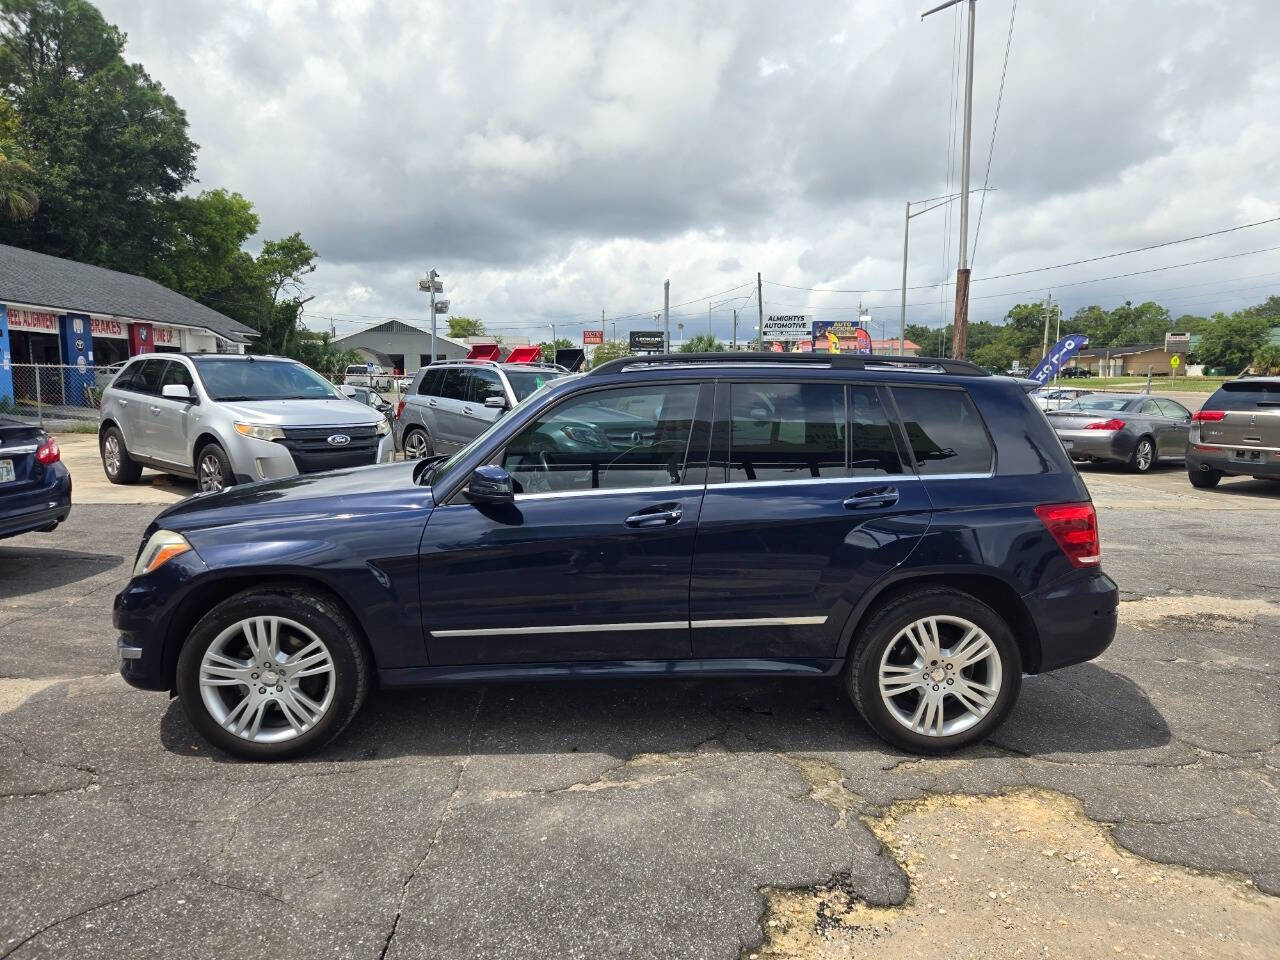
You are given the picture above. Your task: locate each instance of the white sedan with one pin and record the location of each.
(1055, 398)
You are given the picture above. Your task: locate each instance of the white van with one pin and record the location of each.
(368, 375)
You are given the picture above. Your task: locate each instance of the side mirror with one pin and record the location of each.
(490, 484)
(498, 403)
(176, 391)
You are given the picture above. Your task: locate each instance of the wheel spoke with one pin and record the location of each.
(978, 650)
(973, 701)
(896, 688)
(237, 712)
(916, 642)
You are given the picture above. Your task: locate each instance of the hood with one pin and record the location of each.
(336, 412)
(339, 492)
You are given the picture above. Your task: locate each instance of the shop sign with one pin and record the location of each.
(37, 320)
(164, 336)
(108, 328)
(590, 337)
(788, 328)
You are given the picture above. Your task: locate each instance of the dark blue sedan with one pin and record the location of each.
(35, 487)
(911, 527)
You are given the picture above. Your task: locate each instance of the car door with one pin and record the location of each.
(1177, 427)
(809, 502)
(451, 396)
(591, 562)
(169, 418)
(143, 388)
(1154, 422)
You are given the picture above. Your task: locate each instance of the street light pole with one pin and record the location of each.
(960, 337)
(431, 284)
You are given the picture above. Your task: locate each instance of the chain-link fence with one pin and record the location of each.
(56, 392)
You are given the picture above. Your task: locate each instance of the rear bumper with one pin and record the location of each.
(1076, 619)
(1098, 444)
(37, 507)
(1224, 462)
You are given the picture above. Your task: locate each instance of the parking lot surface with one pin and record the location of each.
(1130, 806)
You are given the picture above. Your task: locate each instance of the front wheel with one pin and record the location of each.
(268, 675)
(213, 469)
(934, 670)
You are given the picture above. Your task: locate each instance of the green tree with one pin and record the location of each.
(460, 327)
(110, 144)
(702, 343)
(997, 357)
(1232, 340)
(549, 349)
(18, 197)
(609, 350)
(202, 247)
(281, 268)
(1266, 359)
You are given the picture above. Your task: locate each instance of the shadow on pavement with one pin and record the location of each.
(623, 718)
(55, 568)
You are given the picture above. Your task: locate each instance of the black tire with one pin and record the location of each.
(1136, 460)
(422, 434)
(324, 617)
(882, 629)
(209, 480)
(127, 469)
(1203, 479)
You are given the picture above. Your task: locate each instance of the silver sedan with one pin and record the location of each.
(1136, 430)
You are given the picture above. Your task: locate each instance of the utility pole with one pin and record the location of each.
(666, 316)
(960, 336)
(431, 284)
(735, 328)
(759, 304)
(1044, 346)
(708, 321)
(902, 316)
(602, 323)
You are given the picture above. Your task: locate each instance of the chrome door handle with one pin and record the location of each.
(124, 402)
(875, 497)
(155, 410)
(466, 409)
(663, 515)
(431, 403)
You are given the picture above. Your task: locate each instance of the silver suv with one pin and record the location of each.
(224, 419)
(450, 403)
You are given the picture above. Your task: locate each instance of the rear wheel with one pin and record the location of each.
(268, 675)
(1144, 455)
(934, 670)
(116, 462)
(213, 469)
(417, 444)
(1203, 479)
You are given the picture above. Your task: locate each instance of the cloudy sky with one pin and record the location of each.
(553, 159)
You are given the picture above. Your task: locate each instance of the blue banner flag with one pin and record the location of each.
(1058, 354)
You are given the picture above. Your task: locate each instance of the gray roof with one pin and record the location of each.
(43, 281)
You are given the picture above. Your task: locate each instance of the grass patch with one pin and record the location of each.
(1158, 384)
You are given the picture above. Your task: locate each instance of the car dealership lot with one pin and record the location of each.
(675, 819)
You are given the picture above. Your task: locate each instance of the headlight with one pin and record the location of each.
(259, 432)
(383, 428)
(163, 546)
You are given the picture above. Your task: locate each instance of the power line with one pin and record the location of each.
(986, 180)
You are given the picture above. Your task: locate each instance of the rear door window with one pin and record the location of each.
(786, 431)
(944, 431)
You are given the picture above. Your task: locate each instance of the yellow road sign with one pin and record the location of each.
(1174, 361)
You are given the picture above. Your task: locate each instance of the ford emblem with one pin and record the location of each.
(338, 440)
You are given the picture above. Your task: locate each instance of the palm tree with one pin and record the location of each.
(18, 198)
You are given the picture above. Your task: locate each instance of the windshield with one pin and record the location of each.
(228, 379)
(1098, 403)
(525, 382)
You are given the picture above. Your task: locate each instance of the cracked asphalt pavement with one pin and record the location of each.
(649, 818)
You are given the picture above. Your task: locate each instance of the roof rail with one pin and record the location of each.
(835, 361)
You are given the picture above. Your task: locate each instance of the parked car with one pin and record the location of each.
(1071, 373)
(1055, 398)
(35, 487)
(1137, 430)
(226, 419)
(368, 375)
(911, 526)
(1237, 433)
(450, 403)
(102, 376)
(369, 397)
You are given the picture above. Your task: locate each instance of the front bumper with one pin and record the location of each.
(144, 613)
(38, 507)
(253, 459)
(1097, 444)
(1076, 619)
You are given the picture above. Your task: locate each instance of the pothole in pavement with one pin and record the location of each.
(1160, 607)
(1021, 874)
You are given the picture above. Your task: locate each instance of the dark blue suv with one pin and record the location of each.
(912, 526)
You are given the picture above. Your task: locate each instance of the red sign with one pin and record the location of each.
(106, 328)
(139, 338)
(20, 319)
(592, 337)
(863, 339)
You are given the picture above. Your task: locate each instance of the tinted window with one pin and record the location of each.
(485, 384)
(429, 385)
(453, 383)
(626, 437)
(1172, 410)
(872, 451)
(786, 431)
(1245, 395)
(525, 382)
(147, 379)
(944, 430)
(124, 379)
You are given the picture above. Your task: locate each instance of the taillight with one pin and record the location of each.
(1075, 527)
(1105, 425)
(399, 409)
(1209, 416)
(48, 452)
